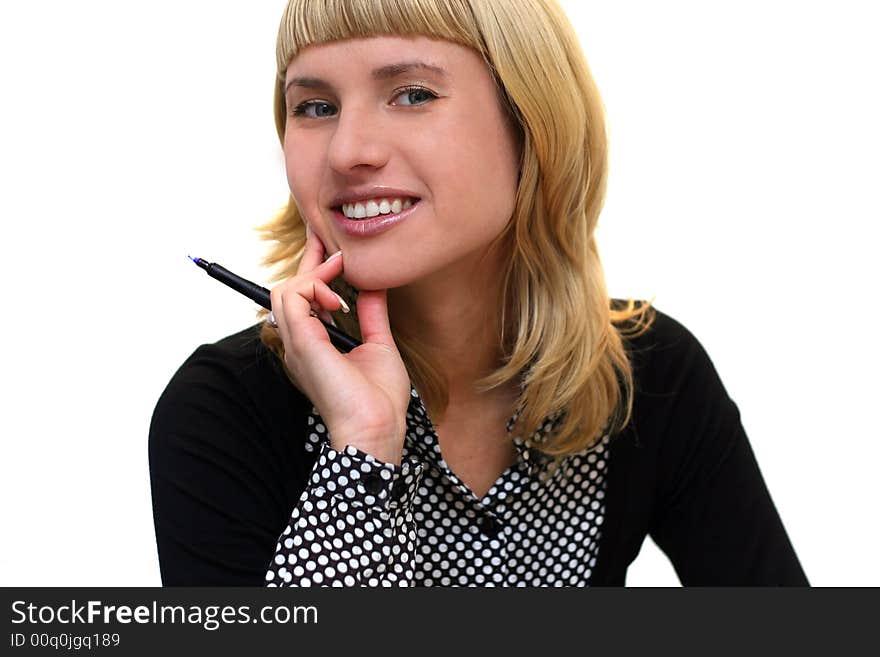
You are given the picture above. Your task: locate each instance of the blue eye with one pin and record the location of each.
(322, 109)
(318, 109)
(416, 95)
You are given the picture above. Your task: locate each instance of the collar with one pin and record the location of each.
(421, 438)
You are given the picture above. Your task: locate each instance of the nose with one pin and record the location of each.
(359, 142)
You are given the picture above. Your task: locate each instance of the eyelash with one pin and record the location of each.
(300, 110)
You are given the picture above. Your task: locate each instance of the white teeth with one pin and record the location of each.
(374, 207)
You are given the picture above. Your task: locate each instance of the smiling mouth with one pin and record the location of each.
(376, 207)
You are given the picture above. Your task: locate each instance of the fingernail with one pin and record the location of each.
(345, 307)
(338, 253)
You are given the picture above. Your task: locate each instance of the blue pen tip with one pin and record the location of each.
(195, 260)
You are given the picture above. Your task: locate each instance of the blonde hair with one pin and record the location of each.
(561, 337)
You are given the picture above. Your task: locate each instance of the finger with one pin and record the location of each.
(324, 298)
(324, 272)
(329, 269)
(372, 308)
(309, 285)
(326, 317)
(277, 304)
(314, 252)
(317, 308)
(307, 347)
(297, 327)
(301, 297)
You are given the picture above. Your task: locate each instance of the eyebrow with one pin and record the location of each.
(382, 73)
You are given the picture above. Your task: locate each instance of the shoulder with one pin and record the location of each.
(239, 360)
(234, 380)
(686, 474)
(665, 351)
(227, 461)
(679, 399)
(680, 404)
(237, 354)
(663, 329)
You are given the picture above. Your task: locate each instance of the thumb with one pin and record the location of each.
(372, 310)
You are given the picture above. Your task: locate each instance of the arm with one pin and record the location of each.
(353, 524)
(349, 526)
(228, 462)
(218, 489)
(715, 519)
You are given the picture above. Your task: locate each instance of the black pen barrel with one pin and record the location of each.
(340, 340)
(251, 290)
(261, 296)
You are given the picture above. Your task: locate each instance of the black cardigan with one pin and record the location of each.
(227, 467)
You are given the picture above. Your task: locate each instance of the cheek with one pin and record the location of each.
(480, 167)
(302, 171)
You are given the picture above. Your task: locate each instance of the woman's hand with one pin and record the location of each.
(362, 395)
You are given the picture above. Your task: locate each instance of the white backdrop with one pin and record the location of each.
(742, 197)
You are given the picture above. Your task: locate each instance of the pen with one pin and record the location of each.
(341, 340)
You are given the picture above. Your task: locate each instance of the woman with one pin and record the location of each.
(504, 422)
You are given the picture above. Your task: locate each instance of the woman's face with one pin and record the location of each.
(393, 118)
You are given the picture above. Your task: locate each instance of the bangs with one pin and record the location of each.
(308, 22)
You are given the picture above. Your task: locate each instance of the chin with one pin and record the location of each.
(376, 279)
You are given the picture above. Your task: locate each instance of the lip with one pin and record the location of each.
(374, 225)
(357, 194)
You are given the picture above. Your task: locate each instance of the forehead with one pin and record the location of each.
(364, 55)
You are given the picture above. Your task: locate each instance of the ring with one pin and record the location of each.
(271, 320)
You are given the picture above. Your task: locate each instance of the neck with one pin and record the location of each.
(455, 315)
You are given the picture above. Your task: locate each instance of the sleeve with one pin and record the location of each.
(353, 525)
(715, 519)
(217, 486)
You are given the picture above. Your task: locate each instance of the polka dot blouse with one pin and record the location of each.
(362, 522)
